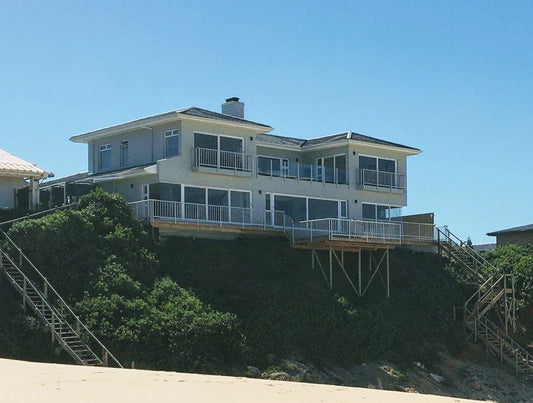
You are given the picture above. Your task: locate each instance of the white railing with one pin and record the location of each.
(388, 180)
(304, 231)
(384, 231)
(300, 171)
(210, 158)
(163, 210)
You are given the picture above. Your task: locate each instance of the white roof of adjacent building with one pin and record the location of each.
(12, 165)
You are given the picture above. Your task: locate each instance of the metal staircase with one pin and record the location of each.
(41, 297)
(494, 297)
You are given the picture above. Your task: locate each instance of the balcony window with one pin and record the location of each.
(216, 151)
(124, 154)
(165, 191)
(172, 143)
(379, 172)
(380, 212)
(307, 208)
(104, 156)
(332, 169)
(272, 166)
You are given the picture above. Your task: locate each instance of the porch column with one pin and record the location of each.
(34, 202)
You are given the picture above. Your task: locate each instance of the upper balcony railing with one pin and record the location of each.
(211, 158)
(301, 171)
(380, 179)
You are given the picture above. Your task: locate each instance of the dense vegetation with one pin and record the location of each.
(518, 260)
(217, 306)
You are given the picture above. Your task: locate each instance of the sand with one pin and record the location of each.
(22, 381)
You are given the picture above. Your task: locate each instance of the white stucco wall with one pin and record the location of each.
(8, 185)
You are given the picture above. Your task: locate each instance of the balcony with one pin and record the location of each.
(301, 172)
(224, 162)
(381, 181)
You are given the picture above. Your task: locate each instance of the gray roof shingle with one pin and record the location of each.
(206, 114)
(282, 140)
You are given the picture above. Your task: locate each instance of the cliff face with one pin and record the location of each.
(469, 375)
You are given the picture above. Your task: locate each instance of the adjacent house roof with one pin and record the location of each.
(15, 166)
(331, 139)
(191, 112)
(523, 228)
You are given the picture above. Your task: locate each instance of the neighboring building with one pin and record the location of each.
(519, 235)
(19, 182)
(214, 162)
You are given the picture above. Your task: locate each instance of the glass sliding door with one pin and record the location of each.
(323, 209)
(240, 211)
(332, 169)
(387, 171)
(206, 150)
(340, 169)
(231, 153)
(195, 203)
(218, 205)
(294, 207)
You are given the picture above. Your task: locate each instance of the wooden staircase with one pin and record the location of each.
(494, 298)
(41, 297)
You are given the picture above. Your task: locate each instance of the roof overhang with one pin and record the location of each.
(339, 143)
(148, 122)
(25, 174)
(128, 174)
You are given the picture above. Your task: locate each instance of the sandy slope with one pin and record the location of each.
(22, 381)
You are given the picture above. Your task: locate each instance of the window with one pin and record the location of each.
(165, 191)
(105, 156)
(377, 171)
(305, 208)
(380, 212)
(272, 166)
(172, 141)
(212, 150)
(124, 154)
(332, 169)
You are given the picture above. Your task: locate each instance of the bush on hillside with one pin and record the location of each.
(102, 260)
(286, 309)
(518, 260)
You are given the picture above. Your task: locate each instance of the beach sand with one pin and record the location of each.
(22, 381)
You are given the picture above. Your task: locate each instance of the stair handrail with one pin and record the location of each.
(489, 325)
(481, 287)
(29, 280)
(470, 251)
(39, 213)
(51, 288)
(55, 313)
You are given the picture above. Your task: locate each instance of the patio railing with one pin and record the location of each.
(210, 158)
(163, 210)
(381, 179)
(304, 231)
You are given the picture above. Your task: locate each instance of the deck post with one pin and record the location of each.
(388, 274)
(330, 269)
(359, 271)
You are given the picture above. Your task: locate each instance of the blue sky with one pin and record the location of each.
(453, 78)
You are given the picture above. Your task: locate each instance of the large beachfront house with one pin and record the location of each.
(212, 165)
